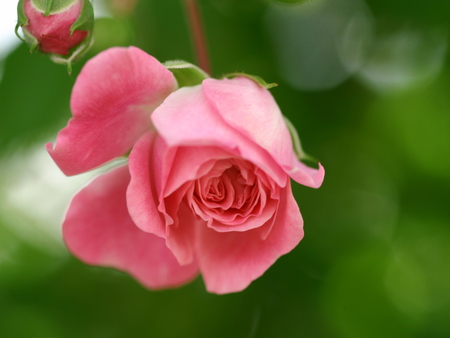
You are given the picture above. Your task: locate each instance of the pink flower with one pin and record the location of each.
(58, 29)
(207, 188)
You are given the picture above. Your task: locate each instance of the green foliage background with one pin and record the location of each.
(375, 258)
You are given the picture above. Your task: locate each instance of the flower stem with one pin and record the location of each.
(198, 36)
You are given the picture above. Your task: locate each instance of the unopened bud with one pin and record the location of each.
(59, 27)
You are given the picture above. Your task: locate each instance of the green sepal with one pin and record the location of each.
(30, 40)
(50, 7)
(75, 54)
(85, 21)
(16, 30)
(186, 73)
(301, 155)
(22, 19)
(255, 78)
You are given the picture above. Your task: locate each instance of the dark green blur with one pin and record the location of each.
(375, 260)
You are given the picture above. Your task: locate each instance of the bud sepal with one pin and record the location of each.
(186, 73)
(257, 79)
(298, 150)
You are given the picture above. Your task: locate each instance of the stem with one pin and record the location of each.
(198, 36)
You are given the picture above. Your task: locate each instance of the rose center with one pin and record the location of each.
(229, 187)
(229, 191)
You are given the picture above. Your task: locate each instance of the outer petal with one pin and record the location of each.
(251, 109)
(181, 235)
(230, 261)
(149, 160)
(111, 102)
(99, 231)
(305, 175)
(142, 196)
(187, 119)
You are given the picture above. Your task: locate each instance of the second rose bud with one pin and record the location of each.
(62, 28)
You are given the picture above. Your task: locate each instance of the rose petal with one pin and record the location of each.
(251, 109)
(145, 201)
(181, 235)
(230, 261)
(305, 175)
(111, 102)
(190, 163)
(186, 118)
(142, 196)
(99, 231)
(249, 222)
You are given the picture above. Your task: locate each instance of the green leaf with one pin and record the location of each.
(186, 73)
(39, 107)
(255, 78)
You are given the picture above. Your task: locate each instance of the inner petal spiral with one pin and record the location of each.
(231, 196)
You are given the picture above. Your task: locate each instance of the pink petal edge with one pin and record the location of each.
(99, 231)
(142, 196)
(229, 262)
(186, 118)
(251, 109)
(111, 102)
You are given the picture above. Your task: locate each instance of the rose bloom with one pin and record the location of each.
(53, 32)
(207, 185)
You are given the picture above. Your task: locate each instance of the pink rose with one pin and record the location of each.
(67, 24)
(207, 187)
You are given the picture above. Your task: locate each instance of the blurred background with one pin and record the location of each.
(366, 83)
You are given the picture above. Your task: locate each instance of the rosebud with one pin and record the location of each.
(59, 27)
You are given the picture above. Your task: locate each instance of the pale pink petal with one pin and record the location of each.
(150, 212)
(305, 175)
(190, 163)
(111, 102)
(181, 235)
(142, 195)
(230, 261)
(99, 231)
(251, 109)
(249, 222)
(186, 118)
